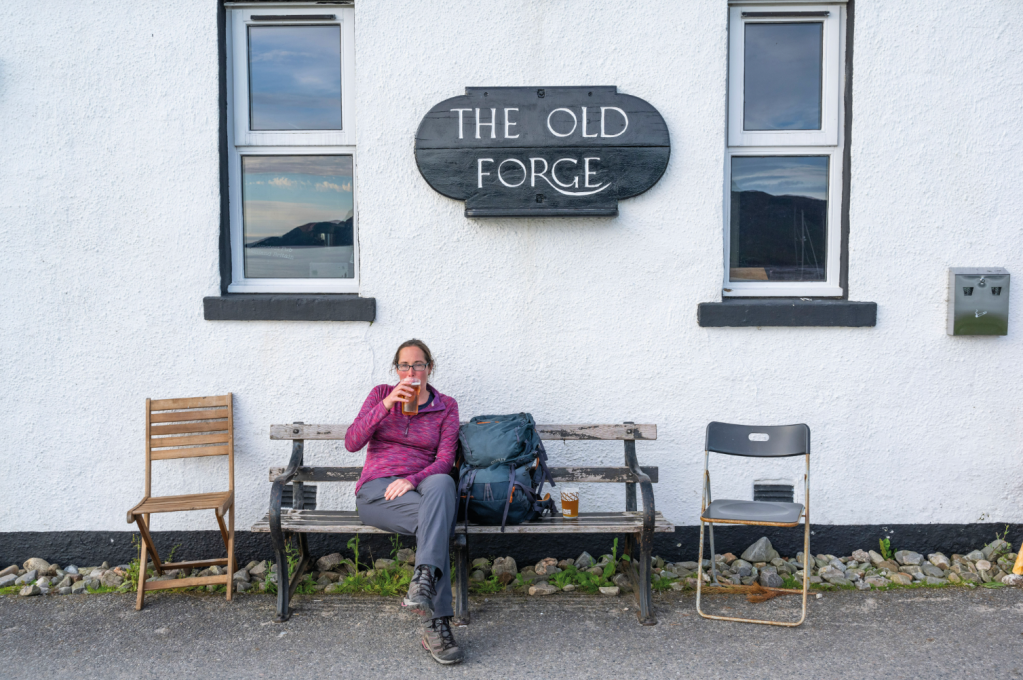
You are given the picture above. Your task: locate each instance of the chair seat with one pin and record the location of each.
(747, 512)
(219, 501)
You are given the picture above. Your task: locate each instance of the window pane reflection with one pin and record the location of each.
(297, 217)
(779, 208)
(295, 77)
(782, 76)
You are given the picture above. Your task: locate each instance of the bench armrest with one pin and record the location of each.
(277, 493)
(645, 486)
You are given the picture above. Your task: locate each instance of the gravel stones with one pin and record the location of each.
(79, 588)
(383, 563)
(861, 556)
(901, 579)
(1013, 580)
(939, 560)
(992, 550)
(875, 557)
(260, 569)
(542, 588)
(483, 564)
(8, 580)
(29, 591)
(740, 567)
(890, 565)
(830, 573)
(770, 579)
(909, 557)
(759, 551)
(983, 565)
(931, 570)
(13, 569)
(623, 583)
(506, 569)
(612, 591)
(241, 575)
(37, 564)
(974, 555)
(584, 561)
(548, 566)
(877, 581)
(110, 579)
(406, 556)
(328, 562)
(27, 578)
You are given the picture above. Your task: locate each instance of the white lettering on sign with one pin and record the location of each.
(511, 160)
(604, 109)
(584, 124)
(508, 124)
(554, 171)
(460, 111)
(479, 171)
(492, 123)
(557, 184)
(575, 123)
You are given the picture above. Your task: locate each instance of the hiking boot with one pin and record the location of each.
(421, 591)
(440, 642)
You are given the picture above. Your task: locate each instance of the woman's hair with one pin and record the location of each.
(414, 343)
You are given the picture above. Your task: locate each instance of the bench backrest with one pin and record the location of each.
(627, 432)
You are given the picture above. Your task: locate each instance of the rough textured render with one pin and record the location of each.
(109, 190)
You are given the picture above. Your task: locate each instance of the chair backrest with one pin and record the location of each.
(190, 428)
(762, 441)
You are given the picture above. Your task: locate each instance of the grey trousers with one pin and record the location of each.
(428, 513)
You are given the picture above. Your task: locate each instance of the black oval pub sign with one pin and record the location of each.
(542, 151)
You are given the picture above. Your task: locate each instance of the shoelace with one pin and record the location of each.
(424, 579)
(443, 627)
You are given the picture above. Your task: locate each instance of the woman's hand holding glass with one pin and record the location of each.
(400, 394)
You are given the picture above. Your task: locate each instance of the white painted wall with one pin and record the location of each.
(109, 195)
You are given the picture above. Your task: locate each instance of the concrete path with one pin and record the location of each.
(947, 633)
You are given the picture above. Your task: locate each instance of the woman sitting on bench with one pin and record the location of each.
(405, 486)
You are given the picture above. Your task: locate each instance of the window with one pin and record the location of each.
(785, 150)
(291, 140)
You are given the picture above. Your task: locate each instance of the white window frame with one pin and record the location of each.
(828, 141)
(244, 142)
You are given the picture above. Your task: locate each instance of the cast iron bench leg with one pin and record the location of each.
(461, 549)
(283, 591)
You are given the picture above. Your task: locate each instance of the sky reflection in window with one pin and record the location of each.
(782, 76)
(295, 77)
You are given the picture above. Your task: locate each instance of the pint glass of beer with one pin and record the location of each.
(411, 407)
(570, 503)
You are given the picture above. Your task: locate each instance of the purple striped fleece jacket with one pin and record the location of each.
(413, 447)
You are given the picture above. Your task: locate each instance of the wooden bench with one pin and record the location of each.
(639, 526)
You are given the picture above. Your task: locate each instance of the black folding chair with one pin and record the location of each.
(755, 441)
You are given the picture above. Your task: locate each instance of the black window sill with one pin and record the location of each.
(292, 307)
(786, 312)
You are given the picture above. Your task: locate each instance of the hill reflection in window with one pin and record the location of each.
(779, 208)
(297, 215)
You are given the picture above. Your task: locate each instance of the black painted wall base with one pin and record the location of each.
(88, 548)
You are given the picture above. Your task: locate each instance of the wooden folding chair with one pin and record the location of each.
(187, 428)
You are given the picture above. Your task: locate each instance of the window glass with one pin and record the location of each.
(295, 77)
(779, 208)
(297, 216)
(782, 76)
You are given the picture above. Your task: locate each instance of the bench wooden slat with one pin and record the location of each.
(610, 432)
(587, 475)
(347, 522)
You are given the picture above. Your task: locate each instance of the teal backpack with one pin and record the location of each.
(503, 470)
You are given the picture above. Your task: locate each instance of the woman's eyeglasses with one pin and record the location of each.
(418, 366)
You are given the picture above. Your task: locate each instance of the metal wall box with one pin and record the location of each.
(978, 301)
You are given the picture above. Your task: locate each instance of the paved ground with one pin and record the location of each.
(904, 634)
